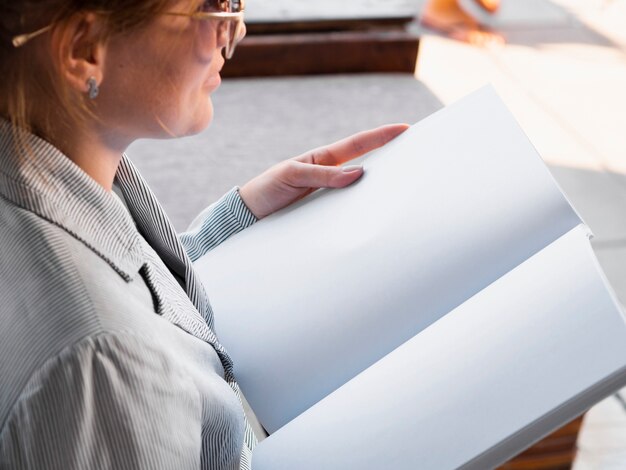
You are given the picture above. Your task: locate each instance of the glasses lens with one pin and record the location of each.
(235, 34)
(213, 6)
(230, 6)
(237, 5)
(224, 6)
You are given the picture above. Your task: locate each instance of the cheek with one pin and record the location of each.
(194, 77)
(168, 84)
(206, 41)
(187, 104)
(132, 100)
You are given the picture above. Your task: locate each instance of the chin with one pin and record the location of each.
(196, 128)
(199, 121)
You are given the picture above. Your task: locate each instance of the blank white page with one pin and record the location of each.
(311, 296)
(540, 338)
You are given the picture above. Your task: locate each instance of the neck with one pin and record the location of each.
(96, 153)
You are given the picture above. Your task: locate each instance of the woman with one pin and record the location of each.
(108, 356)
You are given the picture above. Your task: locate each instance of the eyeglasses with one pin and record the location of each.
(228, 13)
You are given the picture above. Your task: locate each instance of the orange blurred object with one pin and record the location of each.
(554, 452)
(448, 18)
(489, 5)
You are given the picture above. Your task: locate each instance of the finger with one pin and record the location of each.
(306, 175)
(353, 146)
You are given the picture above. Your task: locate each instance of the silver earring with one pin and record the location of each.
(93, 89)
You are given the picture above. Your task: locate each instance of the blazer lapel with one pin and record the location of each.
(159, 232)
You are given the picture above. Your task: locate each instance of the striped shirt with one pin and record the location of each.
(108, 353)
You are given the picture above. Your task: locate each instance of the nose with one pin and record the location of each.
(242, 31)
(223, 34)
(237, 32)
(228, 31)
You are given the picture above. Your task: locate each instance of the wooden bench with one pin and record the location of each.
(304, 38)
(554, 452)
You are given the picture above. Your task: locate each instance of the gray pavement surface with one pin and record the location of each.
(261, 122)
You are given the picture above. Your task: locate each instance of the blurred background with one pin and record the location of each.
(309, 73)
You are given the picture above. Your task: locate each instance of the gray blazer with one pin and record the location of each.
(108, 355)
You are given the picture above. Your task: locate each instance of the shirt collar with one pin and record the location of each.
(48, 183)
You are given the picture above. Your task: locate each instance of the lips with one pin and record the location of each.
(214, 80)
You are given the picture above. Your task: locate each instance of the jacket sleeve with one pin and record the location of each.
(228, 216)
(109, 402)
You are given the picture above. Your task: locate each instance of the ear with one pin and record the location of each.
(80, 49)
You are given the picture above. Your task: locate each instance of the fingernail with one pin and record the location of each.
(351, 168)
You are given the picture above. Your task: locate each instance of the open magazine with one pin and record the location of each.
(446, 311)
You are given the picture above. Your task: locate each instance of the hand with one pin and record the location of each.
(293, 179)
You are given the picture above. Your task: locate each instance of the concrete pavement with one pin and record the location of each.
(563, 74)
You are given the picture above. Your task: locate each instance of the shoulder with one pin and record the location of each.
(45, 307)
(113, 398)
(39, 271)
(39, 278)
(55, 292)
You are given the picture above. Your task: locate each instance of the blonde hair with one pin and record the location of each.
(25, 77)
